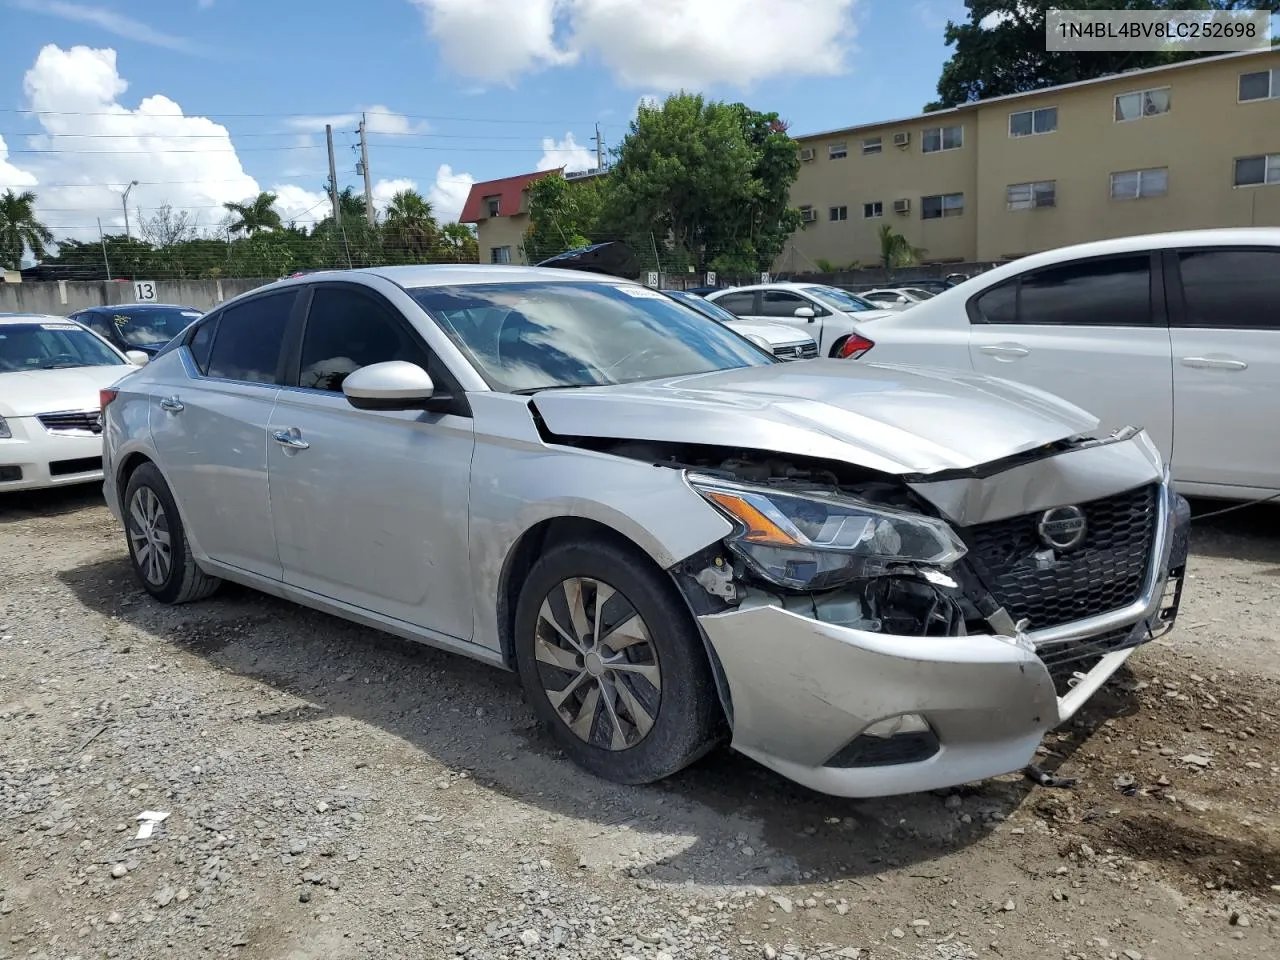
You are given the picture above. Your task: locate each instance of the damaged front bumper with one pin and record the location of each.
(858, 713)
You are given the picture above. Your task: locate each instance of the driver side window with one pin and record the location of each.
(348, 329)
(781, 303)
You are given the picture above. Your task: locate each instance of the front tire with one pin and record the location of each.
(613, 664)
(158, 548)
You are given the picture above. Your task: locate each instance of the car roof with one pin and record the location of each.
(457, 274)
(15, 318)
(778, 285)
(137, 306)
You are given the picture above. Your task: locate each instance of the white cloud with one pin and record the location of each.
(449, 193)
(98, 145)
(384, 190)
(12, 176)
(301, 206)
(568, 153)
(495, 40)
(378, 119)
(664, 43)
(107, 20)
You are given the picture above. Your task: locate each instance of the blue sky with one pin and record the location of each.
(461, 89)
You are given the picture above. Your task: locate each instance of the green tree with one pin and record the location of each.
(457, 243)
(895, 251)
(409, 230)
(562, 215)
(708, 181)
(254, 215)
(20, 229)
(1000, 48)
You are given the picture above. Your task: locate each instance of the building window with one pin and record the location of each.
(1134, 184)
(838, 151)
(941, 205)
(1028, 123)
(1143, 103)
(1255, 171)
(1038, 193)
(872, 210)
(871, 145)
(1264, 85)
(499, 254)
(838, 213)
(493, 203)
(942, 138)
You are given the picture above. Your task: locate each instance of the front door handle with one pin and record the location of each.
(1005, 351)
(290, 439)
(172, 405)
(1213, 363)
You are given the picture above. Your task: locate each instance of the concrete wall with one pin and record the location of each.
(63, 298)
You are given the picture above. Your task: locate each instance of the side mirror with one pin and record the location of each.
(139, 358)
(393, 385)
(805, 313)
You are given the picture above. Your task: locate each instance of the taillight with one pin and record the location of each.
(854, 347)
(104, 399)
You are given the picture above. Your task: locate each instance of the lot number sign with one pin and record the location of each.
(144, 291)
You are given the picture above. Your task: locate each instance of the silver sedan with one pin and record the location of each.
(871, 579)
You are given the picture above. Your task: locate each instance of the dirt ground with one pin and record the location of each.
(334, 793)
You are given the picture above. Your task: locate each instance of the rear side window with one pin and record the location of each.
(202, 342)
(250, 338)
(739, 304)
(1103, 292)
(1237, 289)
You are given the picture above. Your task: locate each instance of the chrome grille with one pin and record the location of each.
(77, 421)
(1048, 588)
(796, 351)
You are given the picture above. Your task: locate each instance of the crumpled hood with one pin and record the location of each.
(891, 418)
(32, 392)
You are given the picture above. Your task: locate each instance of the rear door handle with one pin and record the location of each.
(172, 405)
(1005, 351)
(291, 439)
(1213, 363)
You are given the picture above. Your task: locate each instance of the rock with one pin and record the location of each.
(1009, 906)
(164, 896)
(119, 870)
(1195, 760)
(770, 953)
(114, 917)
(953, 802)
(1132, 955)
(530, 938)
(849, 953)
(304, 896)
(898, 933)
(784, 904)
(183, 895)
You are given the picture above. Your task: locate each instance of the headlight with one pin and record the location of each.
(813, 541)
(760, 342)
(5, 432)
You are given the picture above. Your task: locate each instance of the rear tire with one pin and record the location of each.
(158, 548)
(613, 663)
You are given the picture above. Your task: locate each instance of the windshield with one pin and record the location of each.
(918, 293)
(841, 300)
(705, 307)
(151, 327)
(52, 346)
(523, 337)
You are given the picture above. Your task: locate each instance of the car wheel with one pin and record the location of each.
(158, 543)
(613, 663)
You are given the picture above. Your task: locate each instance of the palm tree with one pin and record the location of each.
(458, 243)
(254, 215)
(895, 251)
(19, 229)
(410, 227)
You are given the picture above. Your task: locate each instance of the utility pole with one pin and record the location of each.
(333, 177)
(599, 149)
(124, 203)
(106, 264)
(364, 168)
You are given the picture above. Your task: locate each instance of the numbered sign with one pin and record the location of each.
(764, 278)
(144, 291)
(711, 278)
(652, 279)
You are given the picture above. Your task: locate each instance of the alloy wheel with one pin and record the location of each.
(598, 666)
(149, 535)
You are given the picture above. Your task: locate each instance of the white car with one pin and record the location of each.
(828, 314)
(785, 343)
(1178, 333)
(51, 370)
(896, 298)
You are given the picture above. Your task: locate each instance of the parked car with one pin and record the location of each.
(50, 424)
(1176, 332)
(878, 580)
(137, 326)
(785, 343)
(827, 313)
(896, 298)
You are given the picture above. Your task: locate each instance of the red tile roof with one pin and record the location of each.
(508, 189)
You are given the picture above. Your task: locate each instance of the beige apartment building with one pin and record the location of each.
(1196, 144)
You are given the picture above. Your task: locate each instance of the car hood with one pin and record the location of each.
(31, 392)
(890, 418)
(776, 334)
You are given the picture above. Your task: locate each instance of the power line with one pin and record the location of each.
(343, 116)
(310, 146)
(237, 136)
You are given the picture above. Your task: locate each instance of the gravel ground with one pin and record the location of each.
(334, 793)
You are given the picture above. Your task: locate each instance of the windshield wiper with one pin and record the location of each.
(528, 391)
(62, 366)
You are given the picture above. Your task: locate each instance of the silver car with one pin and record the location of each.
(871, 579)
